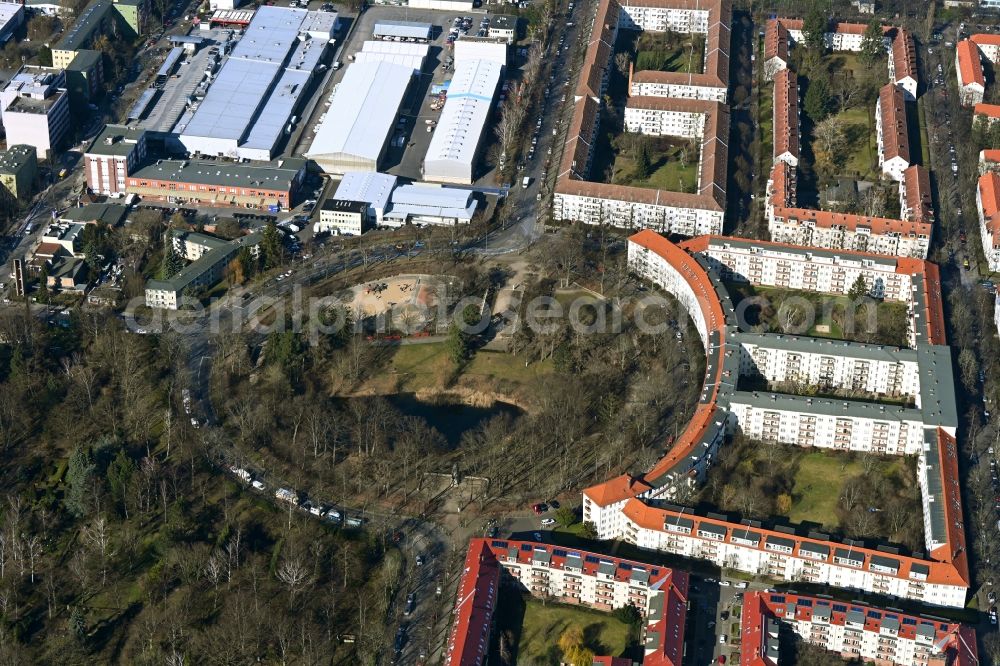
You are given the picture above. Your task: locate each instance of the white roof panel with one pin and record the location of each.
(463, 119)
(410, 29)
(369, 186)
(432, 201)
(362, 112)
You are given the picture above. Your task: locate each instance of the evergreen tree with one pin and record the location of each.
(814, 29)
(270, 246)
(872, 44)
(643, 167)
(43, 286)
(817, 100)
(79, 474)
(172, 262)
(858, 290)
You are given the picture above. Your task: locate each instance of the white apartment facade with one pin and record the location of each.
(988, 209)
(343, 218)
(664, 122)
(659, 214)
(836, 231)
(891, 133)
(828, 424)
(660, 19)
(874, 369)
(35, 108)
(653, 88)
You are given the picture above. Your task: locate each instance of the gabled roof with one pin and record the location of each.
(970, 67)
(786, 113)
(892, 111)
(989, 198)
(991, 111)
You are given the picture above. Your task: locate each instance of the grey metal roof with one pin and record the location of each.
(855, 617)
(926, 630)
(825, 406)
(122, 141)
(822, 612)
(849, 555)
(82, 30)
(573, 561)
(370, 186)
(607, 568)
(712, 528)
(781, 541)
(746, 535)
(934, 489)
(173, 57)
(639, 576)
(937, 386)
(656, 602)
(16, 158)
(206, 172)
(345, 205)
(814, 548)
(886, 562)
(541, 555)
(410, 29)
(920, 569)
(142, 104)
(806, 345)
(890, 623)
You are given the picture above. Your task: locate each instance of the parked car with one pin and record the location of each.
(539, 508)
(548, 522)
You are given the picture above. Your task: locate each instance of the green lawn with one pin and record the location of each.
(428, 366)
(863, 143)
(687, 56)
(544, 624)
(817, 486)
(669, 172)
(825, 319)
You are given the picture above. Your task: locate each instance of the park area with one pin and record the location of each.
(819, 315)
(670, 52)
(543, 631)
(659, 163)
(850, 494)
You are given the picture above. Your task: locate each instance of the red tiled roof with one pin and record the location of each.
(917, 182)
(951, 638)
(945, 569)
(986, 39)
(989, 197)
(904, 55)
(989, 110)
(786, 113)
(969, 65)
(776, 41)
(474, 607)
(892, 111)
(989, 155)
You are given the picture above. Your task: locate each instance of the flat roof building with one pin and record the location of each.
(454, 149)
(19, 170)
(423, 203)
(219, 183)
(363, 111)
(213, 256)
(257, 89)
(402, 30)
(11, 18)
(36, 108)
(343, 217)
(409, 54)
(371, 187)
(113, 155)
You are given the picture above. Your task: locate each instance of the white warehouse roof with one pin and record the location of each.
(431, 203)
(360, 119)
(452, 153)
(256, 89)
(410, 29)
(410, 54)
(372, 187)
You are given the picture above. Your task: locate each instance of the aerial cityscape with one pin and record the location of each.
(497, 332)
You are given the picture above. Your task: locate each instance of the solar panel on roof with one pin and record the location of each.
(625, 567)
(559, 553)
(526, 547)
(944, 627)
(910, 621)
(806, 602)
(777, 598)
(499, 544)
(840, 608)
(875, 615)
(592, 559)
